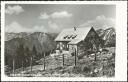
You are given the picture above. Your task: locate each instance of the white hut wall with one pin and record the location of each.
(62, 45)
(72, 48)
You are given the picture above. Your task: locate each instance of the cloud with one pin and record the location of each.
(16, 28)
(62, 14)
(44, 16)
(39, 29)
(14, 10)
(100, 22)
(52, 25)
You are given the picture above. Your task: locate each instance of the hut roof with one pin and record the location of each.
(74, 42)
(73, 35)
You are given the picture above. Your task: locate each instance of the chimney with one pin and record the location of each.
(74, 28)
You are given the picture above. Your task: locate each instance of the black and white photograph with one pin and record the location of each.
(60, 40)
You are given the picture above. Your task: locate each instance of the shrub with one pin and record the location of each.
(59, 68)
(76, 70)
(86, 69)
(73, 54)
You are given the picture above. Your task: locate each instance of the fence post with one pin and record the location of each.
(22, 65)
(75, 57)
(13, 66)
(95, 55)
(63, 59)
(103, 70)
(31, 63)
(44, 60)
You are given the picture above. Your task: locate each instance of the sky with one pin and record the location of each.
(56, 17)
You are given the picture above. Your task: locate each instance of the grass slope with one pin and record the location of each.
(104, 66)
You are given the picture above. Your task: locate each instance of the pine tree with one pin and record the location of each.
(34, 52)
(21, 55)
(27, 55)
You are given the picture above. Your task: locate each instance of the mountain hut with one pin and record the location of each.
(79, 39)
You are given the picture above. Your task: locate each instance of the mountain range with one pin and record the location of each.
(45, 41)
(108, 35)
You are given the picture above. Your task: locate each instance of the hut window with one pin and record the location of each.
(69, 36)
(65, 37)
(74, 36)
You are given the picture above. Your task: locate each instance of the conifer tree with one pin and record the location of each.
(34, 52)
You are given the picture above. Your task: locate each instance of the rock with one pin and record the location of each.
(95, 70)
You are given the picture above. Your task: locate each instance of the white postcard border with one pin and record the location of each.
(121, 42)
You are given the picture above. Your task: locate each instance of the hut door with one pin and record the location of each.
(94, 47)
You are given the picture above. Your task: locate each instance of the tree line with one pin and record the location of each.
(22, 58)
